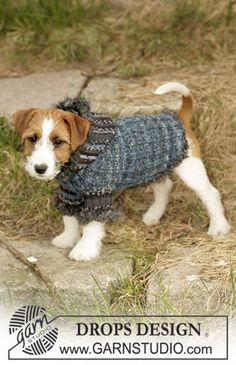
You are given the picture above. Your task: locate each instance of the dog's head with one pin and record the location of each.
(49, 137)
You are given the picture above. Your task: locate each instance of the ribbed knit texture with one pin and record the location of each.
(130, 152)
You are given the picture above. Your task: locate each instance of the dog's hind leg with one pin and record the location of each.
(70, 235)
(161, 191)
(192, 172)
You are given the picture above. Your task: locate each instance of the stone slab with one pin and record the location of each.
(38, 90)
(110, 95)
(182, 288)
(119, 97)
(81, 287)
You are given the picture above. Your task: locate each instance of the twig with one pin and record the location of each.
(90, 73)
(89, 76)
(84, 84)
(6, 243)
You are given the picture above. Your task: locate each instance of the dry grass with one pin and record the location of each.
(139, 39)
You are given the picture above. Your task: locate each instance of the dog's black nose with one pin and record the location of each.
(40, 169)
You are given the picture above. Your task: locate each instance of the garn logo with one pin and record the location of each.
(34, 331)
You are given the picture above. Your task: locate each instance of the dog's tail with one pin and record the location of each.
(186, 110)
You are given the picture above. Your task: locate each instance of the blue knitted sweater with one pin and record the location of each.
(127, 152)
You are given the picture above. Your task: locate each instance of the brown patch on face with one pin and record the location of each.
(33, 131)
(22, 118)
(71, 130)
(60, 138)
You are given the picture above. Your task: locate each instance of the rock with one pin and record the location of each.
(80, 287)
(104, 94)
(182, 289)
(119, 97)
(38, 90)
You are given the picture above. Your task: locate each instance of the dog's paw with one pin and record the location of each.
(84, 252)
(77, 255)
(219, 229)
(63, 240)
(150, 218)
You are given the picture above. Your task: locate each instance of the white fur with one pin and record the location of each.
(193, 174)
(89, 246)
(70, 235)
(43, 154)
(172, 86)
(161, 197)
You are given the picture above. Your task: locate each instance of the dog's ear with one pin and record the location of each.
(79, 128)
(21, 119)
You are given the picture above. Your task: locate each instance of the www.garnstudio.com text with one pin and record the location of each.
(135, 348)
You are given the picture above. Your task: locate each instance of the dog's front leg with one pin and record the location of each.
(70, 235)
(89, 246)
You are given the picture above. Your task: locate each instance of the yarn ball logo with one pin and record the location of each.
(34, 331)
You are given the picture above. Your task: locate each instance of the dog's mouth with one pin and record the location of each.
(45, 178)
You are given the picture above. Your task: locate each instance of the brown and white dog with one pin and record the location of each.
(51, 135)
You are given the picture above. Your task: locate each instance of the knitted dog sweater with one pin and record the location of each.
(127, 152)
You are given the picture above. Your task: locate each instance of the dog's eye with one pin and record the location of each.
(57, 142)
(33, 139)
